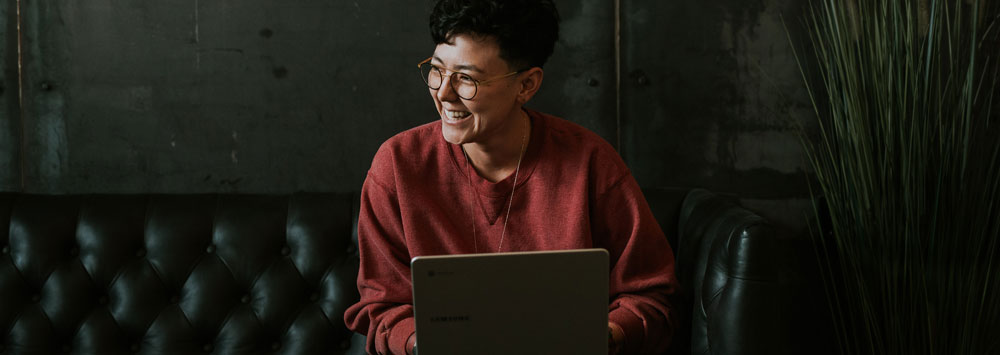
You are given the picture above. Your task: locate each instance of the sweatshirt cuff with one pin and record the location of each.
(400, 333)
(633, 328)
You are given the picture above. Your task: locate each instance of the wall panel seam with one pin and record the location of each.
(618, 78)
(20, 96)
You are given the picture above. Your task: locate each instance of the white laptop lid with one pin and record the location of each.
(544, 302)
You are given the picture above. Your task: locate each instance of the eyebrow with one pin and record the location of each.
(461, 66)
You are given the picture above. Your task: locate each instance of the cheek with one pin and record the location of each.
(475, 108)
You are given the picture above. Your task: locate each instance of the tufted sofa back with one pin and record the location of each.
(176, 274)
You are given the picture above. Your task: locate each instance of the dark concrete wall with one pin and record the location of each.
(274, 97)
(251, 96)
(712, 97)
(10, 172)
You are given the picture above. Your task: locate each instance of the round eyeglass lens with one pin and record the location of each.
(431, 76)
(464, 85)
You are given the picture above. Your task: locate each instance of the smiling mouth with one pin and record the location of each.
(457, 115)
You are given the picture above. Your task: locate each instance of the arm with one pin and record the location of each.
(642, 267)
(385, 311)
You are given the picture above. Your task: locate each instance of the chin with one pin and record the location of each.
(458, 134)
(453, 137)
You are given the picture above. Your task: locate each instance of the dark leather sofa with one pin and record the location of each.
(747, 287)
(176, 274)
(254, 274)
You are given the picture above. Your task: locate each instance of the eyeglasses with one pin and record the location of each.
(464, 85)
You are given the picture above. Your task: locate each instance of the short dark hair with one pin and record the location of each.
(525, 30)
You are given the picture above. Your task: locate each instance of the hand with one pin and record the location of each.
(616, 339)
(411, 344)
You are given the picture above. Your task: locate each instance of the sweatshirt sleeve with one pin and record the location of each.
(385, 311)
(642, 267)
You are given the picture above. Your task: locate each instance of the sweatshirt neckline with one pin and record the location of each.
(503, 187)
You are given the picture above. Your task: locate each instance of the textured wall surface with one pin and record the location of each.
(265, 97)
(251, 96)
(712, 97)
(10, 163)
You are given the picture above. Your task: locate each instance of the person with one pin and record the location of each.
(489, 175)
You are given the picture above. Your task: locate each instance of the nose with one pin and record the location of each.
(446, 92)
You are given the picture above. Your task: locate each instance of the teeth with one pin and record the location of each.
(456, 114)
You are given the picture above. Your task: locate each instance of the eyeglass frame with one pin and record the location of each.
(475, 81)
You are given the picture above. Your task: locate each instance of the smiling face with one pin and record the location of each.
(497, 104)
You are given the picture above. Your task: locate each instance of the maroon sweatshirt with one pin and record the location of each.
(573, 191)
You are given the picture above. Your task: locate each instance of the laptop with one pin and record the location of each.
(541, 302)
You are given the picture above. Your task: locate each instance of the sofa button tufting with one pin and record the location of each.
(314, 297)
(286, 251)
(140, 253)
(6, 249)
(210, 249)
(174, 299)
(208, 348)
(74, 251)
(245, 299)
(103, 300)
(345, 344)
(275, 346)
(66, 348)
(36, 298)
(351, 250)
(134, 348)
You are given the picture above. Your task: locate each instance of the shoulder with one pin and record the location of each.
(572, 135)
(413, 138)
(580, 143)
(391, 156)
(585, 149)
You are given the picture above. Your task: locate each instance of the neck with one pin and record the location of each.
(496, 159)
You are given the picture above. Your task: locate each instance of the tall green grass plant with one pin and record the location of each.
(908, 166)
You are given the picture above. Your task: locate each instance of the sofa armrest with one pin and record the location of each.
(738, 278)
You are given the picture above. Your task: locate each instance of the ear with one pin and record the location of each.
(530, 81)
